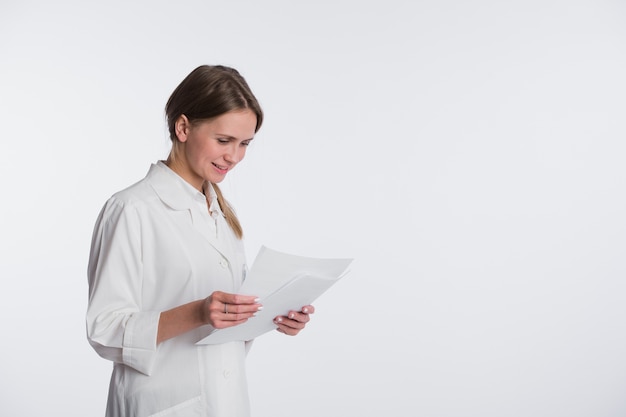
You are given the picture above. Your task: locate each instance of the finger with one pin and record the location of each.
(226, 310)
(288, 327)
(235, 314)
(285, 322)
(222, 324)
(308, 309)
(241, 309)
(298, 316)
(219, 319)
(226, 303)
(228, 298)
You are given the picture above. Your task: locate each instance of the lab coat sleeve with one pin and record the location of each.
(118, 327)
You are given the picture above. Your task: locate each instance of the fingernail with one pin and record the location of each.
(256, 300)
(291, 315)
(278, 319)
(259, 308)
(305, 310)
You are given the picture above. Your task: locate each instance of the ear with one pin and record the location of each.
(181, 127)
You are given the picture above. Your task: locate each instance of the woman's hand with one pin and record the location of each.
(294, 321)
(222, 309)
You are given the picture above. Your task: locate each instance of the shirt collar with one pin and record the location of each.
(211, 197)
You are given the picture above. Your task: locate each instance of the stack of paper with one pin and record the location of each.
(283, 282)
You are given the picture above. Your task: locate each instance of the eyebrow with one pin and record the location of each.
(232, 137)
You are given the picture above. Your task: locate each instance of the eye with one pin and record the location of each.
(245, 143)
(222, 141)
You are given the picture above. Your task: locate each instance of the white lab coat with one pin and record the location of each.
(155, 246)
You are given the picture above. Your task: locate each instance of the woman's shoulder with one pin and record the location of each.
(135, 195)
(158, 188)
(143, 189)
(124, 202)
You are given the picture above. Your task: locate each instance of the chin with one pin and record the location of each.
(216, 180)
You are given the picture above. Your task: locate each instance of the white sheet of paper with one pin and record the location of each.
(283, 282)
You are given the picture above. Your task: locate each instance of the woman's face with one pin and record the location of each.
(212, 148)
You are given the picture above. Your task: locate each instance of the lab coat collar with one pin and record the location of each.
(177, 194)
(174, 191)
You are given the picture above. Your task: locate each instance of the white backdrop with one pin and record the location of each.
(468, 154)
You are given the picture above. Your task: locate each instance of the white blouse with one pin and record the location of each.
(155, 246)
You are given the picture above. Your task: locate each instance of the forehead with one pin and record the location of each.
(240, 124)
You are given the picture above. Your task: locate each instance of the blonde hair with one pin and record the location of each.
(229, 213)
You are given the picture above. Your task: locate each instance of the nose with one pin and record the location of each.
(235, 153)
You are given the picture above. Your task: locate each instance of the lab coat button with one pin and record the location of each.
(227, 373)
(224, 263)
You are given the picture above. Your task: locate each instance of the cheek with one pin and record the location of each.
(202, 150)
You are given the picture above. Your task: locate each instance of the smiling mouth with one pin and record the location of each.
(220, 168)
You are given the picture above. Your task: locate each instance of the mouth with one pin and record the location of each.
(221, 169)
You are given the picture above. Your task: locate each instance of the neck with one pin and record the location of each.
(184, 172)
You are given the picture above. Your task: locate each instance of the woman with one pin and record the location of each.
(167, 260)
